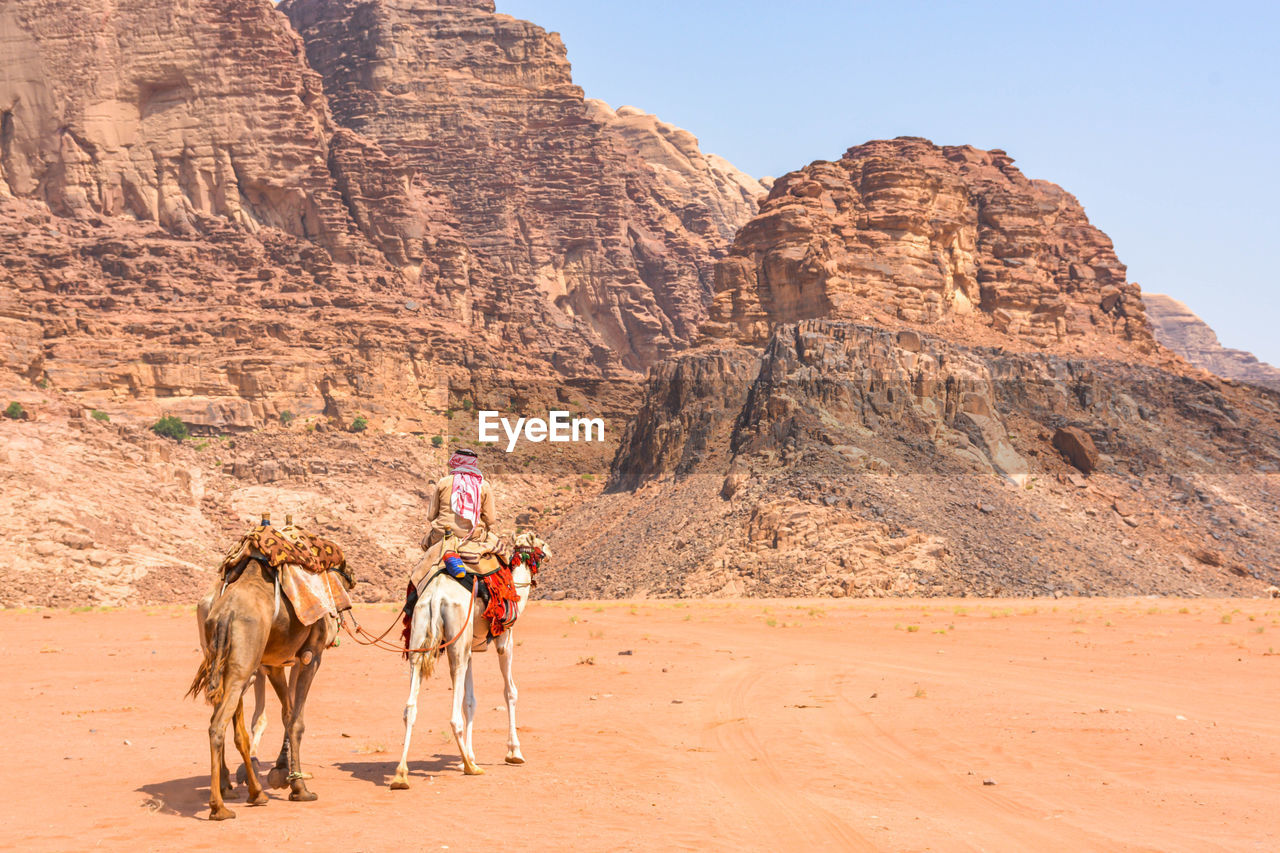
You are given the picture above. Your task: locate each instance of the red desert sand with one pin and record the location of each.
(1139, 724)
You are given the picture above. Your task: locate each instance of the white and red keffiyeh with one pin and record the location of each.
(467, 479)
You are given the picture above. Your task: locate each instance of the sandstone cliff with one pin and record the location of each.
(907, 231)
(189, 232)
(169, 112)
(186, 230)
(729, 195)
(576, 233)
(900, 345)
(1179, 328)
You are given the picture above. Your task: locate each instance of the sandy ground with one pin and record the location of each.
(1104, 724)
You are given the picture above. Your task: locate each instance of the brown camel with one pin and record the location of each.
(250, 626)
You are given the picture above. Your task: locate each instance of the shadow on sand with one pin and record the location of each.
(380, 772)
(187, 797)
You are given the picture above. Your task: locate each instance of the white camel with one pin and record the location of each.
(445, 611)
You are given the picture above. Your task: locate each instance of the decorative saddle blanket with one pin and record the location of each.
(497, 591)
(306, 568)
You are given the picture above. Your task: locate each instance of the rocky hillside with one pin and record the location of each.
(189, 228)
(171, 112)
(928, 375)
(324, 234)
(1179, 328)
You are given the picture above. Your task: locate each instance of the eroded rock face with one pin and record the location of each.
(173, 111)
(729, 196)
(574, 230)
(187, 231)
(869, 461)
(916, 233)
(688, 412)
(836, 380)
(1181, 330)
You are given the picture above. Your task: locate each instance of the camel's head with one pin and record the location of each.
(348, 576)
(530, 542)
(529, 553)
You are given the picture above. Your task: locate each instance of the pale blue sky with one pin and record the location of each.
(1162, 118)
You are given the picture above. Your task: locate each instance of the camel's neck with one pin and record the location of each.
(523, 580)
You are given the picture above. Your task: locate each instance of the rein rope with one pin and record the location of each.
(530, 558)
(381, 643)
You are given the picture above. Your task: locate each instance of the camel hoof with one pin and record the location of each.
(260, 800)
(399, 784)
(278, 778)
(515, 759)
(221, 813)
(303, 797)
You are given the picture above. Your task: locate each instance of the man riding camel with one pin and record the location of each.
(461, 509)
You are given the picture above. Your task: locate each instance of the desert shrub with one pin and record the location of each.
(14, 410)
(99, 415)
(287, 417)
(437, 440)
(171, 426)
(360, 424)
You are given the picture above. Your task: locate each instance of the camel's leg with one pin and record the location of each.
(224, 781)
(506, 650)
(222, 714)
(259, 724)
(463, 701)
(259, 711)
(306, 673)
(469, 709)
(278, 776)
(401, 780)
(257, 796)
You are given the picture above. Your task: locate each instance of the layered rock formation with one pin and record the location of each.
(901, 344)
(729, 195)
(185, 230)
(1179, 328)
(189, 232)
(575, 232)
(912, 232)
(171, 112)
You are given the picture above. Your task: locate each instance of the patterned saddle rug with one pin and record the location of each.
(304, 564)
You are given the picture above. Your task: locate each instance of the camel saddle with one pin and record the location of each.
(304, 565)
(476, 564)
(276, 546)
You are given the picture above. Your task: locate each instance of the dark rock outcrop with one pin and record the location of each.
(869, 461)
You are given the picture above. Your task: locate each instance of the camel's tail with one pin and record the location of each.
(426, 661)
(209, 675)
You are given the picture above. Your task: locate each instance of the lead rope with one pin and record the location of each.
(380, 643)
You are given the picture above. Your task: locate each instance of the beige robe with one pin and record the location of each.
(469, 543)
